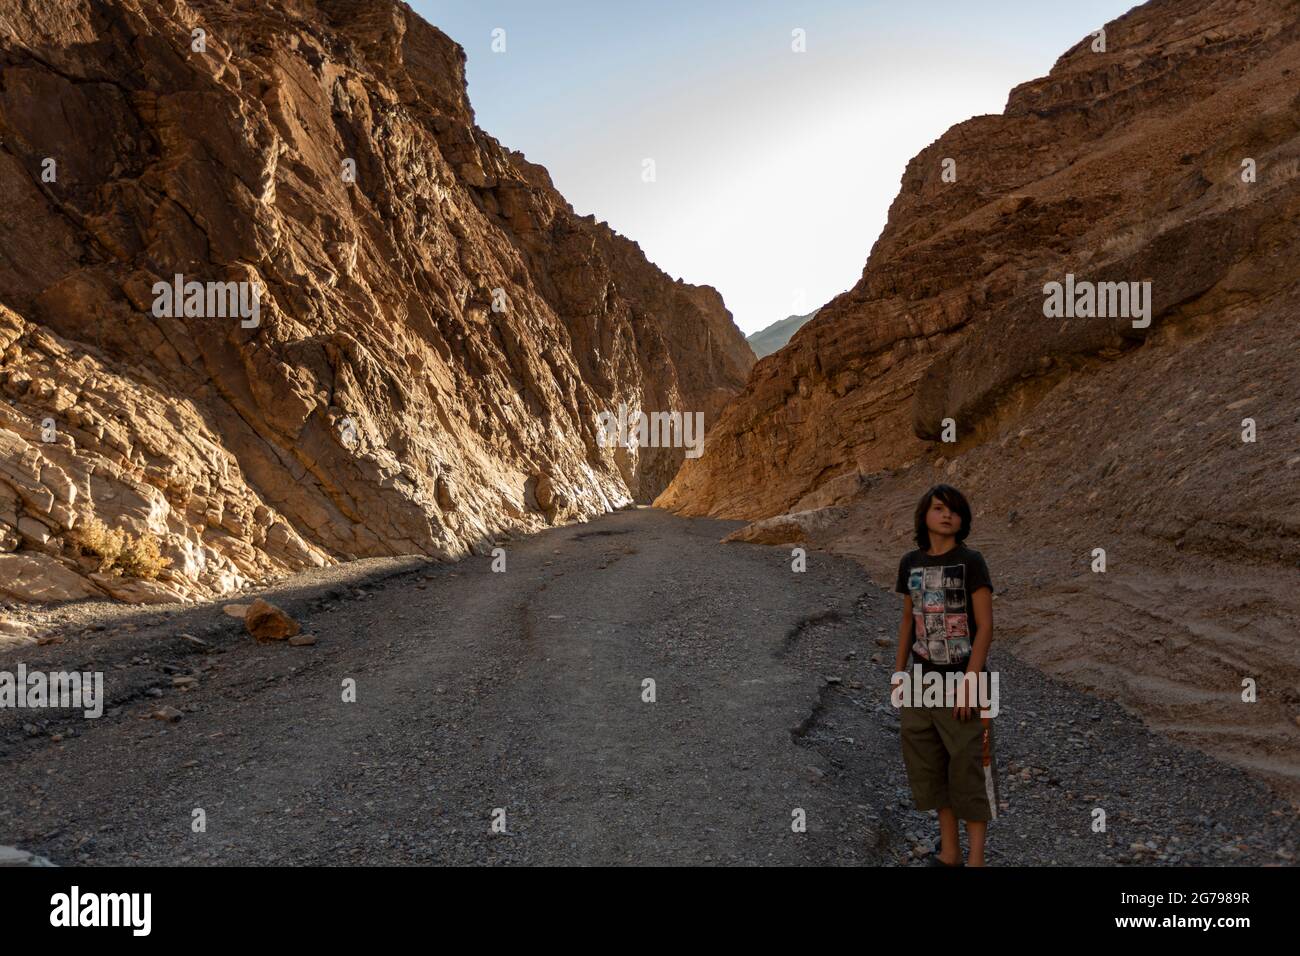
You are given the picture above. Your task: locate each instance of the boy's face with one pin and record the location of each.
(940, 519)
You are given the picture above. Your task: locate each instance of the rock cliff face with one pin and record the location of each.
(1119, 165)
(1173, 448)
(437, 329)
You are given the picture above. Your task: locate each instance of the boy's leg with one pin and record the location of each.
(975, 832)
(926, 759)
(951, 852)
(972, 784)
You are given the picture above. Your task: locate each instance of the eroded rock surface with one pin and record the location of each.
(438, 329)
(1125, 165)
(1080, 436)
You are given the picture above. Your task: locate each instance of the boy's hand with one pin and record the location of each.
(963, 708)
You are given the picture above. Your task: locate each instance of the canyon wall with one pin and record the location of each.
(1118, 165)
(1170, 450)
(438, 329)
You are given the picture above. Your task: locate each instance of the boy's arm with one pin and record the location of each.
(904, 635)
(982, 605)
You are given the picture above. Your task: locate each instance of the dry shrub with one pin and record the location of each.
(98, 540)
(141, 558)
(119, 550)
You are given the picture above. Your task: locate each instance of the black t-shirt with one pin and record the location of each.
(943, 621)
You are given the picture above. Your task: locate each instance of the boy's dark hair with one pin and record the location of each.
(956, 503)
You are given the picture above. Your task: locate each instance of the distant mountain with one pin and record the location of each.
(768, 340)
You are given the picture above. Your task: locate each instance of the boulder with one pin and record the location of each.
(266, 622)
(800, 527)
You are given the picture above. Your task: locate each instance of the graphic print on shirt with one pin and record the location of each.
(915, 578)
(941, 622)
(918, 628)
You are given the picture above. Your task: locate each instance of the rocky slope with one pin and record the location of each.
(437, 328)
(1071, 434)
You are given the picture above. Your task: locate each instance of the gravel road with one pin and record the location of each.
(518, 696)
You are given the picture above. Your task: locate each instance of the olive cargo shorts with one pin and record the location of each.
(950, 761)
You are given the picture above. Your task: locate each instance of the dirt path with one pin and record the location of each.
(523, 690)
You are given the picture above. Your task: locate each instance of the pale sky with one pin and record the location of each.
(774, 170)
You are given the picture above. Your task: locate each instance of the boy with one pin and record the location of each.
(947, 627)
